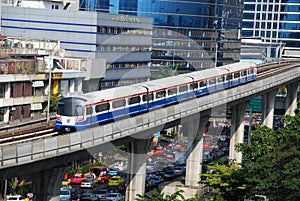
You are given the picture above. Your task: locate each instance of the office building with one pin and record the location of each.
(276, 24)
(187, 35)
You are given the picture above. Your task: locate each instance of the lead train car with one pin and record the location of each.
(100, 107)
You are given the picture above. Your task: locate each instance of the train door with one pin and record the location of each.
(147, 100)
(236, 78)
(211, 85)
(159, 98)
(228, 82)
(89, 116)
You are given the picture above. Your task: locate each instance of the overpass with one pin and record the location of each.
(47, 160)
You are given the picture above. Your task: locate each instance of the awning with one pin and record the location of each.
(37, 84)
(36, 106)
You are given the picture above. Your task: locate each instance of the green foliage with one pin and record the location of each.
(225, 181)
(54, 101)
(272, 161)
(155, 195)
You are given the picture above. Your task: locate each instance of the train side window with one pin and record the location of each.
(134, 100)
(183, 88)
(203, 83)
(160, 94)
(244, 73)
(236, 75)
(221, 79)
(102, 107)
(148, 97)
(194, 86)
(212, 81)
(172, 91)
(89, 110)
(118, 103)
(229, 77)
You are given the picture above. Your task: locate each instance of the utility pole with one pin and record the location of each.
(49, 91)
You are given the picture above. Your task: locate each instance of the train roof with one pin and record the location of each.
(123, 91)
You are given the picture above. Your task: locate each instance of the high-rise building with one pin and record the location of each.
(187, 35)
(274, 22)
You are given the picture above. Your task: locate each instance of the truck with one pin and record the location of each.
(100, 173)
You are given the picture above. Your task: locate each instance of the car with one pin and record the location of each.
(169, 174)
(88, 183)
(115, 197)
(101, 194)
(115, 181)
(113, 172)
(68, 194)
(88, 197)
(155, 180)
(77, 178)
(15, 197)
(179, 170)
(65, 185)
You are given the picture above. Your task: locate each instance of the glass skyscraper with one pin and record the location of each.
(274, 21)
(188, 35)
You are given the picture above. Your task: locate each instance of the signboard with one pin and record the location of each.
(255, 105)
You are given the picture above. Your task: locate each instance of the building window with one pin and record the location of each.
(55, 6)
(2, 90)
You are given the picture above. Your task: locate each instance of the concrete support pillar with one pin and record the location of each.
(71, 86)
(291, 99)
(6, 114)
(237, 130)
(7, 91)
(193, 128)
(136, 168)
(79, 85)
(268, 103)
(46, 183)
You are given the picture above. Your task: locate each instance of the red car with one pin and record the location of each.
(77, 178)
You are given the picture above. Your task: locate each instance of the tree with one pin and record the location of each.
(272, 161)
(226, 182)
(155, 195)
(54, 101)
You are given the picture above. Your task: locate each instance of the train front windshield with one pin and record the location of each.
(71, 107)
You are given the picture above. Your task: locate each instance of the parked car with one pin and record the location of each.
(115, 197)
(88, 183)
(101, 194)
(115, 181)
(77, 178)
(88, 197)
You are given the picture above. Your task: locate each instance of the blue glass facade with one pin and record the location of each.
(274, 21)
(187, 35)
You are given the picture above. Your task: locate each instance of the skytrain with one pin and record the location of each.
(101, 107)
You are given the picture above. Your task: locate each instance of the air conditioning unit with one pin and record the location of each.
(29, 45)
(18, 45)
(8, 43)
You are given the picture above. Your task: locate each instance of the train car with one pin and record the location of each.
(96, 108)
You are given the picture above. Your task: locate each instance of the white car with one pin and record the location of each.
(115, 197)
(15, 197)
(88, 183)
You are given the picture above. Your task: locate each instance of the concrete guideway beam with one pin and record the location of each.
(136, 169)
(291, 98)
(237, 130)
(194, 128)
(268, 105)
